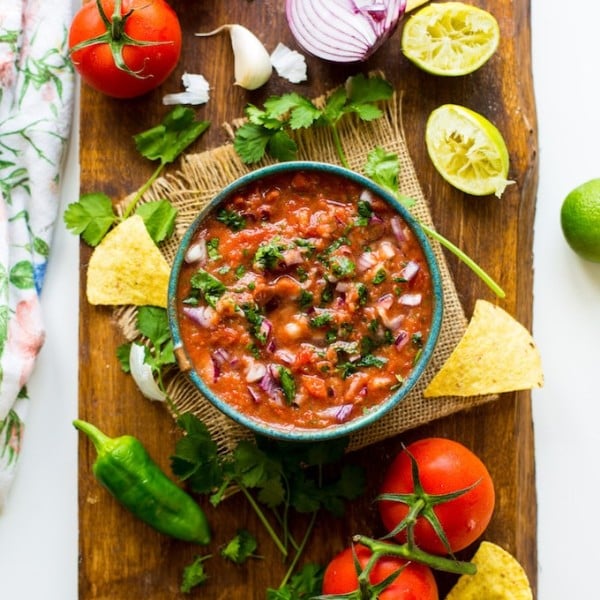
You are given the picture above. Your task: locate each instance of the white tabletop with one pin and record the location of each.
(38, 529)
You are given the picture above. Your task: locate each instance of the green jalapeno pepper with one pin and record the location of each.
(125, 468)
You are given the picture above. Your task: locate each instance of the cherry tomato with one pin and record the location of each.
(147, 34)
(444, 466)
(415, 582)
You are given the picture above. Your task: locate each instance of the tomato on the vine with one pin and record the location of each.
(125, 48)
(445, 467)
(414, 582)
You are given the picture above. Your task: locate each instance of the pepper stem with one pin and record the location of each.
(98, 438)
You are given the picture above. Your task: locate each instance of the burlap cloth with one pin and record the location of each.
(202, 176)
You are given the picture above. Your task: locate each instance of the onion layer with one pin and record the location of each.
(343, 31)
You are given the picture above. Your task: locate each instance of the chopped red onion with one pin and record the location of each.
(410, 299)
(269, 383)
(216, 368)
(221, 356)
(365, 261)
(253, 394)
(397, 229)
(265, 328)
(285, 356)
(401, 339)
(197, 252)
(390, 322)
(292, 256)
(255, 372)
(205, 316)
(339, 413)
(343, 30)
(386, 301)
(386, 249)
(366, 196)
(410, 270)
(343, 413)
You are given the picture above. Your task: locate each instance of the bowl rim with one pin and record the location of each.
(294, 433)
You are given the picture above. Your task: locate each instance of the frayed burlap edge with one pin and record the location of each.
(203, 175)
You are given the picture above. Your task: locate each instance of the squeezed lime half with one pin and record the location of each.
(450, 38)
(467, 150)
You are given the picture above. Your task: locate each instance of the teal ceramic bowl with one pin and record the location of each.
(373, 414)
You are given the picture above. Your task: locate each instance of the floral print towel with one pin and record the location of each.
(36, 93)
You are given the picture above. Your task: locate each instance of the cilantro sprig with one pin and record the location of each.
(384, 169)
(268, 130)
(93, 215)
(276, 478)
(153, 324)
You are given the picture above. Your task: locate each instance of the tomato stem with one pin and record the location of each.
(116, 38)
(441, 563)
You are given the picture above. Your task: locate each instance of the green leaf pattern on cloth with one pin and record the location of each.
(36, 105)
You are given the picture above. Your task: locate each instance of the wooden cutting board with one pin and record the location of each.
(121, 557)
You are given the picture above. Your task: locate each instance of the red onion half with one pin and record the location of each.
(343, 30)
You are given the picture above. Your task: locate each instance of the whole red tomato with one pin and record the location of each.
(444, 466)
(134, 54)
(415, 582)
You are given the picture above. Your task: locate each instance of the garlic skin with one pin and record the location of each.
(289, 64)
(252, 63)
(197, 91)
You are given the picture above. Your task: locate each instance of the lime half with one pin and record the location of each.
(450, 38)
(467, 150)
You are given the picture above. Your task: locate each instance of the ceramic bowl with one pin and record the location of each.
(395, 397)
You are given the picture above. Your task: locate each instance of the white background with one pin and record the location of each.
(38, 529)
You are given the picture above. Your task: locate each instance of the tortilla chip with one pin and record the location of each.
(499, 577)
(496, 354)
(128, 268)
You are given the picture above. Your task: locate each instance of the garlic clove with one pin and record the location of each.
(252, 63)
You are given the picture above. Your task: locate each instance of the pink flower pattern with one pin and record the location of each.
(32, 111)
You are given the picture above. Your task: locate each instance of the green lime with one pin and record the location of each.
(580, 220)
(450, 38)
(467, 150)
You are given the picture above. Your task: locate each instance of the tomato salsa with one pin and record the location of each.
(304, 300)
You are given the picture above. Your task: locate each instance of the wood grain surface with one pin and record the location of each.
(123, 558)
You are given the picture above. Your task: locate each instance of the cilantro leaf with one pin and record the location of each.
(368, 360)
(288, 384)
(159, 218)
(384, 169)
(363, 90)
(196, 459)
(277, 106)
(251, 141)
(240, 547)
(267, 130)
(282, 147)
(123, 357)
(342, 267)
(194, 574)
(269, 255)
(233, 219)
(209, 287)
(253, 467)
(91, 217)
(169, 139)
(153, 323)
(305, 584)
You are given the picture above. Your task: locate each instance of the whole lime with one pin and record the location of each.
(580, 220)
